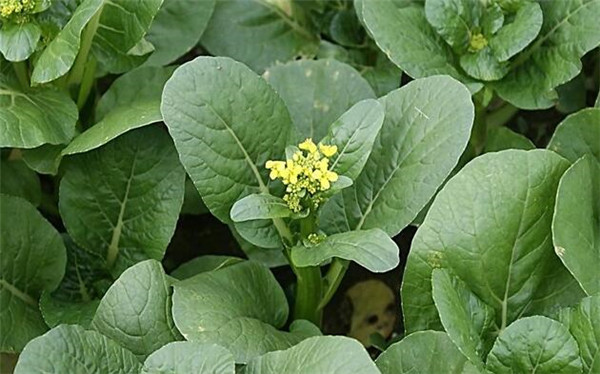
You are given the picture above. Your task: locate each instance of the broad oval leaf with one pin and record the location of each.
(453, 19)
(490, 225)
(584, 324)
(189, 357)
(259, 33)
(578, 135)
(570, 29)
(319, 354)
(427, 126)
(576, 223)
(259, 206)
(518, 34)
(424, 352)
(136, 310)
(535, 345)
(19, 40)
(501, 138)
(72, 349)
(372, 249)
(122, 201)
(317, 92)
(226, 123)
(16, 179)
(32, 260)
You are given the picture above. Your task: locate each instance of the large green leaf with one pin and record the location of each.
(58, 57)
(32, 259)
(570, 29)
(317, 92)
(19, 40)
(122, 201)
(584, 324)
(16, 179)
(427, 125)
(578, 135)
(535, 345)
(576, 223)
(372, 249)
(177, 28)
(467, 320)
(354, 134)
(34, 117)
(71, 349)
(424, 352)
(226, 122)
(136, 310)
(258, 33)
(319, 354)
(404, 34)
(189, 357)
(515, 36)
(490, 225)
(259, 206)
(238, 307)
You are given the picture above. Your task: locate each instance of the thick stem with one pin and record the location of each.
(333, 278)
(78, 69)
(479, 133)
(309, 288)
(22, 74)
(87, 83)
(502, 115)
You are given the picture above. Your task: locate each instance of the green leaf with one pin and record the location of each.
(189, 357)
(317, 92)
(384, 76)
(269, 256)
(260, 233)
(238, 307)
(570, 29)
(259, 206)
(453, 19)
(319, 354)
(483, 65)
(44, 159)
(372, 249)
(16, 179)
(203, 264)
(535, 345)
(424, 352)
(122, 201)
(57, 312)
(226, 123)
(427, 125)
(71, 349)
(136, 310)
(19, 40)
(346, 30)
(584, 325)
(177, 28)
(354, 134)
(501, 138)
(490, 225)
(467, 320)
(32, 259)
(578, 135)
(122, 25)
(403, 33)
(34, 117)
(515, 36)
(58, 57)
(576, 223)
(258, 33)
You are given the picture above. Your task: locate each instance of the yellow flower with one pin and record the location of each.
(308, 145)
(9, 7)
(328, 150)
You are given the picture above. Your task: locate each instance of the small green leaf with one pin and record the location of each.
(16, 179)
(501, 138)
(189, 357)
(317, 92)
(319, 354)
(354, 134)
(584, 325)
(44, 159)
(515, 36)
(260, 233)
(578, 135)
(424, 352)
(203, 264)
(259, 206)
(32, 260)
(576, 223)
(453, 19)
(136, 310)
(535, 345)
(483, 65)
(372, 249)
(122, 200)
(71, 349)
(19, 40)
(58, 57)
(270, 255)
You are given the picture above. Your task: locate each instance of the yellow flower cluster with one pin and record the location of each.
(10, 7)
(477, 42)
(305, 174)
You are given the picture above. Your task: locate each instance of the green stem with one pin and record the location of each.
(479, 133)
(76, 74)
(502, 115)
(309, 288)
(87, 83)
(22, 74)
(333, 278)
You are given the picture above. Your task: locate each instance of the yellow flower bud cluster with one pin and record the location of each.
(16, 7)
(305, 174)
(477, 42)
